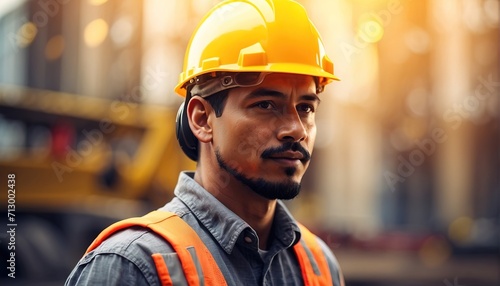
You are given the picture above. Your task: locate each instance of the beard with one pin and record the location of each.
(285, 190)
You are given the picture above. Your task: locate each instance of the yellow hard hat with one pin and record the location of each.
(256, 36)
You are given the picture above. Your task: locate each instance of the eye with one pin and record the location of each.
(307, 108)
(265, 105)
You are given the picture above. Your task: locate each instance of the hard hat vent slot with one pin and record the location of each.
(327, 64)
(210, 63)
(252, 56)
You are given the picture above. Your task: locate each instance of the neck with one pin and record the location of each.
(254, 209)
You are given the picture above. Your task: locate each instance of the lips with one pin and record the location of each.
(288, 155)
(290, 152)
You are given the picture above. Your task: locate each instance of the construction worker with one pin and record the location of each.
(253, 72)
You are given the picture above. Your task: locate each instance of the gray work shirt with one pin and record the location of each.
(125, 257)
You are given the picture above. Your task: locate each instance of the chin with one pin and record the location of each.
(284, 185)
(291, 174)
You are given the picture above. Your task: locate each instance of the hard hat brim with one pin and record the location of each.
(289, 68)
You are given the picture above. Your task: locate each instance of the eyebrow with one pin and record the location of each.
(260, 92)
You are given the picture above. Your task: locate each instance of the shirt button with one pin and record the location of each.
(248, 239)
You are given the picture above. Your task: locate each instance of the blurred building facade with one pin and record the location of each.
(408, 139)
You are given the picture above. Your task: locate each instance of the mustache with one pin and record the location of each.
(288, 146)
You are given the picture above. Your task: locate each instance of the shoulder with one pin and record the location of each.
(122, 259)
(313, 241)
(133, 242)
(333, 263)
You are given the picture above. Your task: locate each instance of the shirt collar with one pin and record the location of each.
(224, 225)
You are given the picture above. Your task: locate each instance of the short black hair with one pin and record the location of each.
(218, 101)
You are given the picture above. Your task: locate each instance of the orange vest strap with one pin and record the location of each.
(180, 236)
(312, 260)
(162, 270)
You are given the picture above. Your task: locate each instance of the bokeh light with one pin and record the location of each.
(54, 48)
(95, 33)
(26, 34)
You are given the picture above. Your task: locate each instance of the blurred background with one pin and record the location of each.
(403, 185)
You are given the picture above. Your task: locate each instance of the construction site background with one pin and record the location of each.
(403, 183)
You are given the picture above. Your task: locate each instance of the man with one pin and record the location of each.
(252, 74)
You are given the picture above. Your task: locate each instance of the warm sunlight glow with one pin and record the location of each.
(371, 31)
(26, 34)
(97, 2)
(95, 33)
(54, 47)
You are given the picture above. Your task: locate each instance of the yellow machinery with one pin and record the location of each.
(69, 178)
(80, 163)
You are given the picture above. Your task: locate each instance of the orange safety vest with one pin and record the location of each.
(181, 236)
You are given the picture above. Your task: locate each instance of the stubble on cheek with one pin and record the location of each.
(251, 144)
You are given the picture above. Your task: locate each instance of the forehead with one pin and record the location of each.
(287, 84)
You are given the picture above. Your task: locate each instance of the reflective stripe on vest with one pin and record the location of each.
(313, 264)
(197, 262)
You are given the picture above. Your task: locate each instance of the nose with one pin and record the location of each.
(291, 127)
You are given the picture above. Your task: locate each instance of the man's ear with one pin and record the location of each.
(198, 111)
